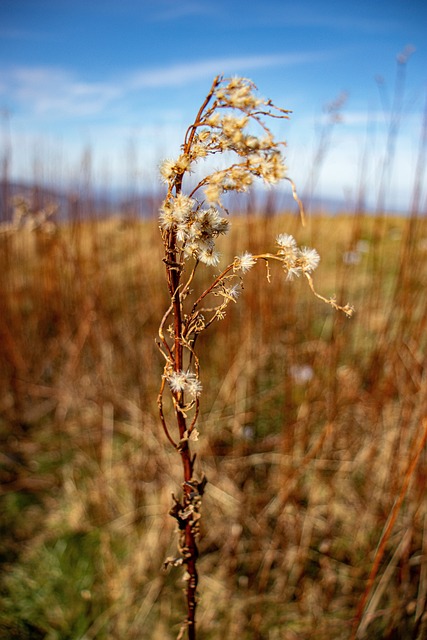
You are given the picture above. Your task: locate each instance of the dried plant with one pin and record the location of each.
(25, 216)
(231, 121)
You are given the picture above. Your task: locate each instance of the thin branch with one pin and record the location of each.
(213, 285)
(347, 309)
(161, 334)
(162, 417)
(191, 131)
(297, 200)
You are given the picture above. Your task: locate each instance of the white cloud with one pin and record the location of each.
(54, 91)
(59, 93)
(181, 74)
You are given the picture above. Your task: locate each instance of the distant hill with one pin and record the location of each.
(77, 202)
(84, 202)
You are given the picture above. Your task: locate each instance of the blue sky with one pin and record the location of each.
(124, 78)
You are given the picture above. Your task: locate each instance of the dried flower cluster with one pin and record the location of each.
(25, 217)
(231, 121)
(218, 129)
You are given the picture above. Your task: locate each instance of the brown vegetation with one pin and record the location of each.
(313, 428)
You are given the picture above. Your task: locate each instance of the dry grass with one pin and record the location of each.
(309, 425)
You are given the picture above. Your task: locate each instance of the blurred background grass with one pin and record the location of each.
(309, 424)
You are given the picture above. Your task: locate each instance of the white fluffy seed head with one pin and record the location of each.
(244, 262)
(185, 381)
(309, 259)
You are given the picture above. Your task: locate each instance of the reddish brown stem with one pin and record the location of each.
(190, 551)
(192, 130)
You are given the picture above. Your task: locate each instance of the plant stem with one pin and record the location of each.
(190, 550)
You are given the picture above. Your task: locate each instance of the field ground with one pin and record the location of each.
(311, 437)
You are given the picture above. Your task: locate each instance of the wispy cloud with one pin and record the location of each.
(58, 92)
(50, 90)
(165, 10)
(339, 23)
(158, 11)
(320, 16)
(181, 74)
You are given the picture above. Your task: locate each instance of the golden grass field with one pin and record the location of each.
(312, 434)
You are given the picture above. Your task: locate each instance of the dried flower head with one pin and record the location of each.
(309, 259)
(180, 381)
(244, 262)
